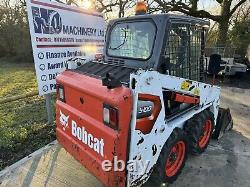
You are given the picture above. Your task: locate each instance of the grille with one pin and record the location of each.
(99, 70)
(115, 61)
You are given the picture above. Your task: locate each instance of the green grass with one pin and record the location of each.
(23, 127)
(16, 78)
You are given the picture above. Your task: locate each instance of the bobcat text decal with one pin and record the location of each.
(81, 134)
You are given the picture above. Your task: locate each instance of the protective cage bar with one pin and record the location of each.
(185, 51)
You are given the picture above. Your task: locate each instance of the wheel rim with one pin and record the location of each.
(175, 158)
(204, 138)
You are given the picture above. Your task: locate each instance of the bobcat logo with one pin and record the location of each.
(64, 120)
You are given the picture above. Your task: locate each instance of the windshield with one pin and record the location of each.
(132, 40)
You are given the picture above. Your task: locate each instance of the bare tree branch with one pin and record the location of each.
(184, 8)
(237, 6)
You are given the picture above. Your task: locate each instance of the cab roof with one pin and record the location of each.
(161, 17)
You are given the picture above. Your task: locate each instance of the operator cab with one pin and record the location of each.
(169, 44)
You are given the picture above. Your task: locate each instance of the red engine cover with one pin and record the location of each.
(80, 128)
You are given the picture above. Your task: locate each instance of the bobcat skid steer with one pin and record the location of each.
(145, 103)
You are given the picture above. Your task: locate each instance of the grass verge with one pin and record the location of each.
(23, 127)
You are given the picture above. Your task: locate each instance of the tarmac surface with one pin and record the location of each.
(225, 163)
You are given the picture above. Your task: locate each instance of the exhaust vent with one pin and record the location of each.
(115, 61)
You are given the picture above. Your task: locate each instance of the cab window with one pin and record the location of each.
(183, 51)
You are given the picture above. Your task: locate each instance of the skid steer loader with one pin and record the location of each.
(145, 102)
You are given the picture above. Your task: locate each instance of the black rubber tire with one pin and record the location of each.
(159, 175)
(194, 130)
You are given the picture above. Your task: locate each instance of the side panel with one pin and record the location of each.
(145, 148)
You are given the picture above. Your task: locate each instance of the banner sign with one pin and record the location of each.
(62, 37)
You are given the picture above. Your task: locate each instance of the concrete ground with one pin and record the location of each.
(225, 163)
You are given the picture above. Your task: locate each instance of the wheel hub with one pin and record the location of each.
(204, 138)
(175, 158)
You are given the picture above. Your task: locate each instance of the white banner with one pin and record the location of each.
(62, 36)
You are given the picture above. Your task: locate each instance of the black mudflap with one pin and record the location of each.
(224, 123)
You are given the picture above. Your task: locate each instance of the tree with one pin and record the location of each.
(14, 38)
(117, 7)
(190, 7)
(240, 32)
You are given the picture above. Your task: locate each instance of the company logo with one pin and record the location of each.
(83, 135)
(46, 21)
(87, 138)
(64, 120)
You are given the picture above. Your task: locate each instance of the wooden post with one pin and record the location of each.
(49, 108)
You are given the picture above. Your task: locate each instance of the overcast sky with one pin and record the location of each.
(207, 3)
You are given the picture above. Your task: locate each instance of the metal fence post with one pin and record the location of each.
(49, 108)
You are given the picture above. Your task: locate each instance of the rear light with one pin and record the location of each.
(110, 116)
(60, 93)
